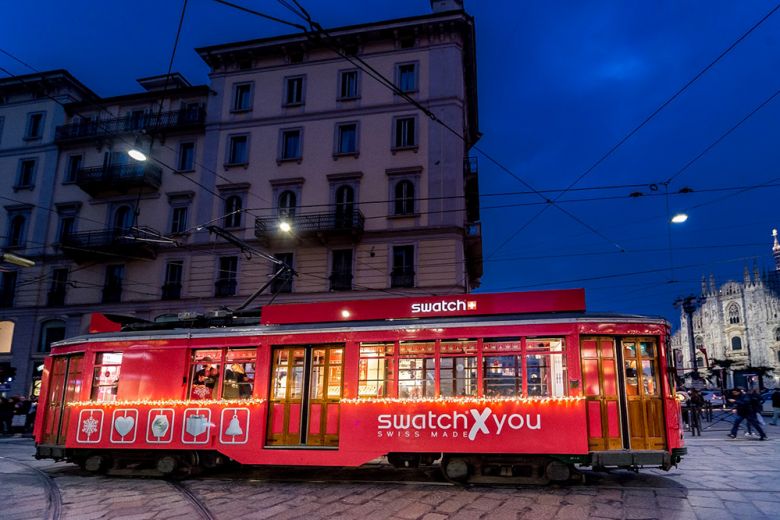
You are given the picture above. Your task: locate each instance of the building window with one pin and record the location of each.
(402, 273)
(178, 219)
(238, 150)
(105, 382)
(73, 167)
(733, 313)
(112, 287)
(51, 331)
(123, 219)
(232, 218)
(58, 289)
(171, 289)
(6, 336)
(2, 122)
(34, 126)
(17, 228)
(348, 85)
(293, 91)
(26, 177)
(736, 343)
(67, 227)
(7, 288)
(345, 206)
(242, 97)
(341, 270)
(226, 277)
(290, 145)
(283, 282)
(406, 77)
(404, 132)
(287, 203)
(777, 334)
(376, 370)
(346, 139)
(403, 198)
(186, 160)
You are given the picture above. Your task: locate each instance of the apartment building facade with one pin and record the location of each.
(378, 192)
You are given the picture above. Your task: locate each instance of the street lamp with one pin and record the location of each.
(689, 305)
(16, 260)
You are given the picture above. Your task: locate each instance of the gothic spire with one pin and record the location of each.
(776, 250)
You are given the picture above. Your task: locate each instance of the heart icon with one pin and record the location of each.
(124, 425)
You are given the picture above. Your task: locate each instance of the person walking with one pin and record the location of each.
(695, 404)
(745, 410)
(775, 406)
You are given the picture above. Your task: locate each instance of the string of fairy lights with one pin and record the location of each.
(232, 403)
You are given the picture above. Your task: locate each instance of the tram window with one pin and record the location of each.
(649, 381)
(326, 363)
(458, 376)
(417, 369)
(632, 379)
(503, 376)
(239, 378)
(205, 370)
(376, 374)
(647, 348)
(545, 375)
(105, 382)
(416, 377)
(288, 374)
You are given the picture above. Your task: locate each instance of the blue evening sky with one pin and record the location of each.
(560, 83)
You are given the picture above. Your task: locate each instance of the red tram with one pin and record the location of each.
(512, 386)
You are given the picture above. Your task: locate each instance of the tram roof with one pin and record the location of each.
(378, 325)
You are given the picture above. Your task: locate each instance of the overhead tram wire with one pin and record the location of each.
(315, 29)
(641, 125)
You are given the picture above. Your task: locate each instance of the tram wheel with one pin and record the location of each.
(456, 469)
(97, 464)
(167, 464)
(557, 471)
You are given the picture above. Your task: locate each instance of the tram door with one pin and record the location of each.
(306, 387)
(65, 382)
(643, 393)
(600, 383)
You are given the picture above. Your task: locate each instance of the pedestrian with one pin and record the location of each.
(775, 406)
(695, 404)
(6, 415)
(746, 411)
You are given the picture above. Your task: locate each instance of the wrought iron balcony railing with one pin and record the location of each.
(320, 224)
(171, 291)
(138, 243)
(341, 281)
(119, 178)
(150, 123)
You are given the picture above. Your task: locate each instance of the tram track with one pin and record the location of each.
(53, 495)
(193, 500)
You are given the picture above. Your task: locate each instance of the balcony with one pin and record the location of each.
(320, 225)
(56, 298)
(171, 291)
(113, 245)
(119, 179)
(225, 287)
(153, 123)
(341, 281)
(402, 278)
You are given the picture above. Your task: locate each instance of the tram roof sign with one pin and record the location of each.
(564, 300)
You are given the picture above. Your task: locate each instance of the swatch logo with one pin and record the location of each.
(444, 306)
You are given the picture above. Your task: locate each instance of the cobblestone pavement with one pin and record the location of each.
(719, 479)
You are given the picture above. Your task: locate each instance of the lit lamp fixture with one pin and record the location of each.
(16, 260)
(285, 226)
(679, 218)
(136, 154)
(345, 314)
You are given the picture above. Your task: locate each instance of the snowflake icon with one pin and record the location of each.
(90, 426)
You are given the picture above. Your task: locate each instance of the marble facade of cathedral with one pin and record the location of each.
(738, 322)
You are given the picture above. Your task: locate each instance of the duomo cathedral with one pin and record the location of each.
(737, 323)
